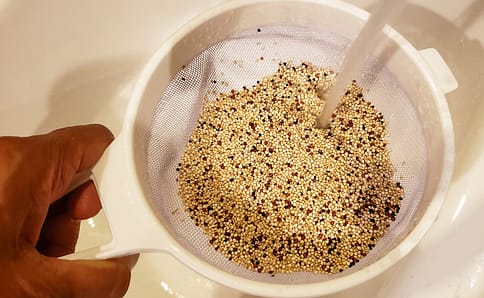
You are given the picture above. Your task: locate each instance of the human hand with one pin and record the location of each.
(40, 221)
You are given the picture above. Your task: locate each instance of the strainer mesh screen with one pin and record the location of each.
(241, 60)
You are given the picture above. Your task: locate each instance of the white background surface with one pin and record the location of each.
(73, 62)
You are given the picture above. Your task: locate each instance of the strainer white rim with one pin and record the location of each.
(292, 290)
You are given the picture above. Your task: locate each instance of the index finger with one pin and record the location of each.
(36, 171)
(67, 153)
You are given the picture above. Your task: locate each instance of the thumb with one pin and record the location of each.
(92, 278)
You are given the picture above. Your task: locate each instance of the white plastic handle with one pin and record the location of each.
(133, 225)
(439, 69)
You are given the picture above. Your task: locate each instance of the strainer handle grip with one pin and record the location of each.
(85, 254)
(133, 225)
(440, 71)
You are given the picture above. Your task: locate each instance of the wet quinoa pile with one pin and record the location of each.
(275, 194)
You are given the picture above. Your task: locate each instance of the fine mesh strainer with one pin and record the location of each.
(235, 45)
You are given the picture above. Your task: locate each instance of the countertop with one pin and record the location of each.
(69, 62)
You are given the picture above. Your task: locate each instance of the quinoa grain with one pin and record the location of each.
(277, 195)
